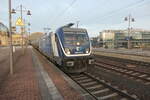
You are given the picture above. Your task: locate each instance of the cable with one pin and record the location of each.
(139, 4)
(102, 17)
(111, 13)
(64, 11)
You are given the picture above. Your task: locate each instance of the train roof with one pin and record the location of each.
(68, 29)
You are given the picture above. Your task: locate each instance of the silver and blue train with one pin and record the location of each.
(68, 47)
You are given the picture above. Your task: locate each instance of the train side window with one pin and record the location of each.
(58, 46)
(56, 39)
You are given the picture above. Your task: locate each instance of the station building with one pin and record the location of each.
(113, 38)
(3, 35)
(119, 38)
(16, 38)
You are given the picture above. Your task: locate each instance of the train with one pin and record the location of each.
(68, 47)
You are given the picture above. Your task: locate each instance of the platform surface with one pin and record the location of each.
(35, 78)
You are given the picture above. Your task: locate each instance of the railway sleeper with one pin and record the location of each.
(129, 72)
(147, 83)
(85, 80)
(135, 73)
(124, 70)
(88, 84)
(123, 99)
(148, 78)
(94, 87)
(144, 75)
(108, 96)
(81, 78)
(77, 76)
(100, 91)
(139, 80)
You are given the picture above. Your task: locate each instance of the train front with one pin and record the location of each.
(77, 50)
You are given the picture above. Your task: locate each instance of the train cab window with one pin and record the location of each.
(74, 38)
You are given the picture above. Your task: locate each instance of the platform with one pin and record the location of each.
(131, 54)
(35, 78)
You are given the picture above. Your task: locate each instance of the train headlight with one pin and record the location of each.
(87, 50)
(67, 51)
(78, 43)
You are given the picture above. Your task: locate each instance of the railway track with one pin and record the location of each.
(125, 71)
(141, 66)
(121, 64)
(124, 61)
(100, 89)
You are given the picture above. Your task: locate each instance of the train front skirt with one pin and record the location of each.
(77, 64)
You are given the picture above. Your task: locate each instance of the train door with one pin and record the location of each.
(54, 46)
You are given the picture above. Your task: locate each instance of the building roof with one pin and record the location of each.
(125, 31)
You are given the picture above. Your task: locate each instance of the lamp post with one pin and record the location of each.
(10, 38)
(29, 32)
(129, 19)
(78, 24)
(21, 10)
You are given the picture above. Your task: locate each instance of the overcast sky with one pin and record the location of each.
(94, 15)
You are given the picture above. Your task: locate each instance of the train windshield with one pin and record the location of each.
(71, 38)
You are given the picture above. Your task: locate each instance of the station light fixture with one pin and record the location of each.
(13, 11)
(126, 19)
(133, 20)
(28, 12)
(129, 19)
